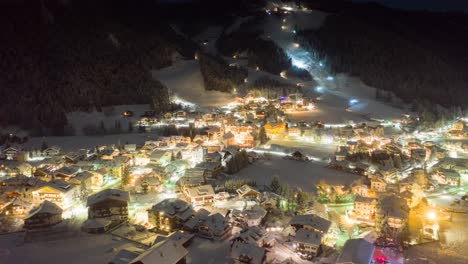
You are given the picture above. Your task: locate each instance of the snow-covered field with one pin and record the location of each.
(86, 248)
(452, 247)
(184, 79)
(77, 142)
(304, 175)
(109, 115)
(321, 151)
(203, 251)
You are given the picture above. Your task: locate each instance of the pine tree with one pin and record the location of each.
(83, 192)
(102, 127)
(125, 177)
(44, 145)
(263, 136)
(117, 126)
(275, 184)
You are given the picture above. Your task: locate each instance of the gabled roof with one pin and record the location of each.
(308, 237)
(314, 221)
(192, 180)
(194, 172)
(59, 185)
(81, 176)
(45, 207)
(358, 251)
(69, 171)
(208, 165)
(174, 207)
(200, 191)
(108, 194)
(157, 154)
(253, 252)
(165, 252)
(246, 189)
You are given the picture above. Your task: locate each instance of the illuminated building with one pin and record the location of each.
(111, 204)
(45, 215)
(170, 215)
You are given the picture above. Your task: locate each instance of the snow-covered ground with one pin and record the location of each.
(85, 248)
(236, 24)
(304, 175)
(72, 143)
(204, 251)
(109, 115)
(320, 151)
(450, 249)
(184, 79)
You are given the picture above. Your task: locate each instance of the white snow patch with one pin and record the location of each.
(237, 23)
(304, 175)
(84, 248)
(72, 143)
(184, 79)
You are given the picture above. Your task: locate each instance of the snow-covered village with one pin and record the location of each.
(319, 170)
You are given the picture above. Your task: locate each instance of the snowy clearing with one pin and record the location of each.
(184, 79)
(109, 115)
(72, 143)
(85, 248)
(297, 173)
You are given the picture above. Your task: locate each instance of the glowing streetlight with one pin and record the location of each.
(431, 215)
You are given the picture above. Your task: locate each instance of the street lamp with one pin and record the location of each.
(431, 215)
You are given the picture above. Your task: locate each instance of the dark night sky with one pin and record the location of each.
(433, 5)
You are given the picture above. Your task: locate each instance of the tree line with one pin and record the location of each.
(218, 75)
(263, 53)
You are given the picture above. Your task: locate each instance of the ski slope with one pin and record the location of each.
(184, 80)
(336, 92)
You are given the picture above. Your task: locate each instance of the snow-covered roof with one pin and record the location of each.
(245, 189)
(174, 207)
(45, 207)
(251, 235)
(192, 180)
(67, 171)
(194, 172)
(18, 202)
(358, 251)
(308, 237)
(165, 252)
(108, 194)
(95, 223)
(208, 165)
(249, 251)
(256, 212)
(157, 154)
(177, 236)
(59, 185)
(81, 176)
(200, 191)
(314, 221)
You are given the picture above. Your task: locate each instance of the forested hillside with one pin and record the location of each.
(420, 57)
(218, 75)
(57, 58)
(261, 53)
